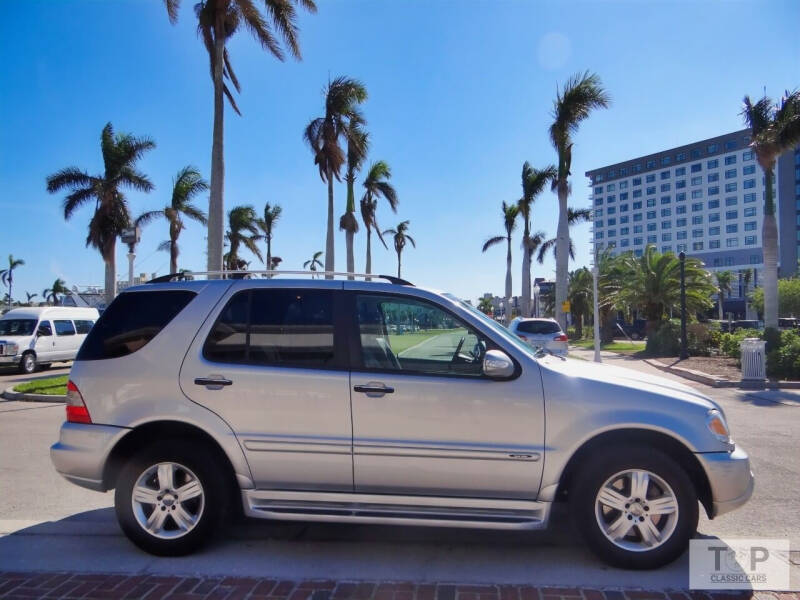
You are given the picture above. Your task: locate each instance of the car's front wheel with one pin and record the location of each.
(27, 364)
(170, 497)
(635, 506)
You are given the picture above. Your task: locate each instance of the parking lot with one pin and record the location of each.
(49, 525)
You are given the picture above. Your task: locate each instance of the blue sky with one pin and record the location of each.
(460, 95)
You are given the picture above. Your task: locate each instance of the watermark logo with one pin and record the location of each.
(739, 564)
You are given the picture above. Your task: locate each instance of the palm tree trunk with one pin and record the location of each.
(525, 308)
(10, 285)
(508, 284)
(173, 256)
(351, 261)
(269, 255)
(769, 240)
(369, 252)
(110, 258)
(562, 254)
(579, 326)
(216, 204)
(329, 235)
(721, 312)
(399, 252)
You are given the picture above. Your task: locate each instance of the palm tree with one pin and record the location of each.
(51, 294)
(574, 216)
(342, 118)
(724, 281)
(775, 128)
(217, 22)
(186, 184)
(7, 275)
(377, 186)
(485, 305)
(581, 94)
(242, 220)
(357, 147)
(272, 215)
(400, 238)
(30, 297)
(510, 212)
(533, 182)
(580, 297)
(121, 152)
(315, 262)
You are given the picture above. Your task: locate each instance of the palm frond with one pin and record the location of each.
(492, 241)
(172, 7)
(147, 217)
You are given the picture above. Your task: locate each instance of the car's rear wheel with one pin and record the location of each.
(170, 497)
(27, 364)
(635, 506)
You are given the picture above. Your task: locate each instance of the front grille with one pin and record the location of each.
(2, 350)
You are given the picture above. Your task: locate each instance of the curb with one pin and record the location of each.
(721, 382)
(10, 394)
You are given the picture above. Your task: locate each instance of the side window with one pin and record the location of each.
(83, 326)
(414, 336)
(64, 327)
(289, 327)
(45, 329)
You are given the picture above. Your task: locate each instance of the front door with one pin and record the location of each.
(425, 418)
(45, 345)
(270, 365)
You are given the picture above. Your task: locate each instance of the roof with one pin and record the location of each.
(36, 312)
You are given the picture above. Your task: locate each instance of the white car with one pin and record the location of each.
(541, 333)
(38, 336)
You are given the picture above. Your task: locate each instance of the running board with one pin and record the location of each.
(432, 511)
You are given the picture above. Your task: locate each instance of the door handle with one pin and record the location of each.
(213, 382)
(373, 389)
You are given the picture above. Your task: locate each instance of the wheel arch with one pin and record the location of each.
(644, 437)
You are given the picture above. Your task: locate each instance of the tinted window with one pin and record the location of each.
(45, 329)
(17, 326)
(275, 327)
(64, 327)
(131, 321)
(83, 326)
(541, 327)
(404, 334)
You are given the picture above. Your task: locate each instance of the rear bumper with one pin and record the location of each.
(730, 477)
(82, 450)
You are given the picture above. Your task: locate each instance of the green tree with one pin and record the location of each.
(51, 294)
(574, 216)
(242, 231)
(357, 147)
(272, 215)
(485, 306)
(581, 94)
(788, 298)
(30, 298)
(185, 186)
(533, 183)
(580, 297)
(120, 152)
(7, 275)
(724, 282)
(376, 185)
(400, 235)
(510, 212)
(775, 128)
(314, 262)
(217, 22)
(342, 119)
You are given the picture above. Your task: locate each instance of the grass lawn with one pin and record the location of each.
(400, 342)
(53, 386)
(619, 347)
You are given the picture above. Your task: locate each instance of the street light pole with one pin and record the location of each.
(596, 320)
(684, 351)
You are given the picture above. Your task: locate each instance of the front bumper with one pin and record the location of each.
(730, 478)
(82, 450)
(10, 360)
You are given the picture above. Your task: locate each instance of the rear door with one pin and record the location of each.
(66, 341)
(273, 364)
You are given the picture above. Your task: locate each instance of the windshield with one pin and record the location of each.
(17, 326)
(495, 326)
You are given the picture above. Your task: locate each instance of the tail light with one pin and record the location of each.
(76, 407)
(562, 337)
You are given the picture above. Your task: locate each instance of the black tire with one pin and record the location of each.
(27, 364)
(204, 464)
(596, 471)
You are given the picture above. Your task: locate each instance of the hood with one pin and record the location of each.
(629, 378)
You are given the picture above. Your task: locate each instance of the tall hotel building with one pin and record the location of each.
(705, 199)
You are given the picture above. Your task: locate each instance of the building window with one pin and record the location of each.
(680, 196)
(599, 177)
(697, 180)
(749, 198)
(697, 233)
(623, 185)
(665, 249)
(651, 164)
(730, 187)
(750, 211)
(713, 190)
(612, 210)
(755, 259)
(730, 160)
(623, 196)
(712, 177)
(637, 241)
(712, 148)
(623, 208)
(637, 217)
(732, 243)
(623, 243)
(730, 173)
(611, 199)
(637, 193)
(666, 237)
(612, 173)
(748, 155)
(598, 212)
(697, 220)
(651, 214)
(728, 261)
(623, 230)
(713, 217)
(665, 160)
(730, 144)
(650, 178)
(666, 199)
(680, 156)
(637, 229)
(750, 226)
(750, 240)
(637, 181)
(598, 235)
(732, 228)
(732, 214)
(697, 167)
(612, 222)
(697, 206)
(666, 224)
(637, 205)
(651, 227)
(680, 210)
(713, 245)
(680, 171)
(679, 185)
(680, 248)
(731, 201)
(696, 153)
(611, 187)
(612, 233)
(664, 174)
(665, 187)
(712, 164)
(748, 169)
(713, 204)
(598, 202)
(651, 202)
(680, 223)
(598, 223)
(652, 239)
(637, 168)
(713, 230)
(651, 190)
(623, 171)
(666, 212)
(697, 245)
(681, 235)
(697, 194)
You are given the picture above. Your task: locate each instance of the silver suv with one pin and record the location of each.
(373, 402)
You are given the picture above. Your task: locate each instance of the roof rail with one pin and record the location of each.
(189, 275)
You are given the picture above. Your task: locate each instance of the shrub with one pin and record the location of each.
(665, 340)
(701, 338)
(730, 342)
(783, 361)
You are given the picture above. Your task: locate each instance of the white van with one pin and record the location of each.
(38, 336)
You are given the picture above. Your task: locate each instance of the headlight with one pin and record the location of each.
(717, 426)
(12, 349)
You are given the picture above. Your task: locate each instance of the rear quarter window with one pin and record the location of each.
(82, 326)
(131, 321)
(540, 327)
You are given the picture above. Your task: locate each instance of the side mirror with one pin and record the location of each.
(497, 365)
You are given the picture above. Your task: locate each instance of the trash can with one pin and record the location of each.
(754, 360)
